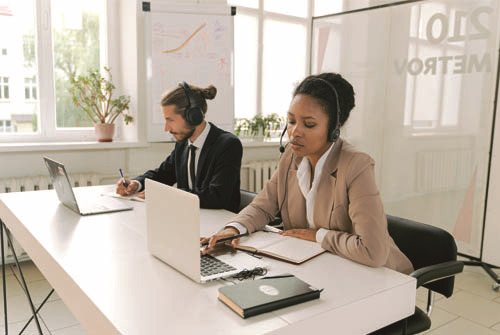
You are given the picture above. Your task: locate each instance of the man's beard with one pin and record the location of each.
(185, 136)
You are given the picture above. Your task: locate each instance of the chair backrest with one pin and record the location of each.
(246, 198)
(425, 245)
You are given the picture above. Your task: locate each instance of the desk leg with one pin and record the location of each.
(39, 307)
(4, 282)
(26, 291)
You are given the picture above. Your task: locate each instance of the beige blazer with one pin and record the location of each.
(347, 203)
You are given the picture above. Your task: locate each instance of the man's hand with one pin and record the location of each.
(131, 189)
(305, 234)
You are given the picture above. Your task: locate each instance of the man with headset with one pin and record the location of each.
(206, 160)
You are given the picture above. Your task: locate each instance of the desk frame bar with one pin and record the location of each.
(26, 291)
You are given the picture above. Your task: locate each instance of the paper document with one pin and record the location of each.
(124, 197)
(269, 242)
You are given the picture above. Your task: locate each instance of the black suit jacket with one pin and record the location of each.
(217, 182)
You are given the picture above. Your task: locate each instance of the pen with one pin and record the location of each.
(280, 276)
(123, 178)
(228, 238)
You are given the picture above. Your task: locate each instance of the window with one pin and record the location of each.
(5, 126)
(4, 88)
(430, 113)
(30, 88)
(271, 48)
(36, 102)
(75, 38)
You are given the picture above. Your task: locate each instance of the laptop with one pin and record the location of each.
(175, 238)
(66, 196)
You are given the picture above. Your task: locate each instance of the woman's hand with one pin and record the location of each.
(305, 234)
(212, 240)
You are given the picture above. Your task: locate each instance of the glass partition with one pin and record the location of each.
(424, 74)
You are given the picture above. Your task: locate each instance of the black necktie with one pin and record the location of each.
(192, 151)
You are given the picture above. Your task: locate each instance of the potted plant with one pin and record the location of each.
(93, 94)
(258, 127)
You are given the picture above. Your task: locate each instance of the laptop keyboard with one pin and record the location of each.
(211, 266)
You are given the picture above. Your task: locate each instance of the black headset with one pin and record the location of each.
(333, 134)
(193, 113)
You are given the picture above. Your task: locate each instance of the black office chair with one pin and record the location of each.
(433, 253)
(246, 198)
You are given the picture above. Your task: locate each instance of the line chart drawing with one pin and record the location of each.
(187, 40)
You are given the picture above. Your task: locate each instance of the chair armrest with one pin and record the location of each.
(437, 271)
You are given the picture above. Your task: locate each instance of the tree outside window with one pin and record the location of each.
(76, 49)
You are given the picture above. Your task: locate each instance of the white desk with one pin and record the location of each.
(100, 266)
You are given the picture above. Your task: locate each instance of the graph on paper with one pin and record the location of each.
(197, 49)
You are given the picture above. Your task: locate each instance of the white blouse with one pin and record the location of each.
(309, 190)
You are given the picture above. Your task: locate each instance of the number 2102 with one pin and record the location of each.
(479, 30)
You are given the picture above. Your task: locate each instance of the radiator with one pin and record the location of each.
(255, 174)
(438, 171)
(36, 183)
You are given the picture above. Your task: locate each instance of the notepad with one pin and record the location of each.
(267, 294)
(291, 249)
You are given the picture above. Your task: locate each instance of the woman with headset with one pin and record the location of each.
(324, 188)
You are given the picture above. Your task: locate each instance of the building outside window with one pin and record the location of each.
(4, 88)
(36, 100)
(5, 126)
(30, 88)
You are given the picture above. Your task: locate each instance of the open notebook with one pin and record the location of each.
(269, 242)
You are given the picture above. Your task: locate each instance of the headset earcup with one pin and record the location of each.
(194, 116)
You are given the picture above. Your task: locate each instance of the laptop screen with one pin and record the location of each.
(61, 183)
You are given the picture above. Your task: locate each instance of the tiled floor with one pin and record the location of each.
(473, 309)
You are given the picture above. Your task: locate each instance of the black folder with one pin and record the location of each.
(266, 294)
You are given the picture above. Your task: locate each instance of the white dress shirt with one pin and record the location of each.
(309, 190)
(198, 143)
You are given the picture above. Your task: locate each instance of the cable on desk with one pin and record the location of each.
(245, 274)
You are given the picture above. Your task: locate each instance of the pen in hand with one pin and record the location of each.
(227, 238)
(123, 178)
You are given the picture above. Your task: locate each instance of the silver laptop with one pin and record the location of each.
(175, 238)
(66, 196)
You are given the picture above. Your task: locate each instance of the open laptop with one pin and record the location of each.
(66, 196)
(173, 236)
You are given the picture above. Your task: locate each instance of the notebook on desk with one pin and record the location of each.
(173, 236)
(66, 196)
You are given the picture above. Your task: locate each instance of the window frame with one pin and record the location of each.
(47, 127)
(261, 16)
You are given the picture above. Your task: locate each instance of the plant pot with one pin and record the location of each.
(104, 132)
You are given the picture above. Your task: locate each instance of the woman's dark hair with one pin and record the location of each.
(178, 97)
(325, 96)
